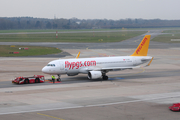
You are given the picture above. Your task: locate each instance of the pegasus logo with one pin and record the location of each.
(141, 45)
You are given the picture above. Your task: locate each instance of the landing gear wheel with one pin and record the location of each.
(105, 77)
(59, 79)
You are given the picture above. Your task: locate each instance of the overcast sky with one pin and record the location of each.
(92, 9)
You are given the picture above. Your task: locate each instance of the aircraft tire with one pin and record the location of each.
(59, 80)
(105, 77)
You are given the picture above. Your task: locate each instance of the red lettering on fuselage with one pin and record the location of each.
(77, 65)
(141, 45)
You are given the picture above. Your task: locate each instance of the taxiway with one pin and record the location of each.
(144, 93)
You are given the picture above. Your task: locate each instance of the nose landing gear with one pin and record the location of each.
(59, 79)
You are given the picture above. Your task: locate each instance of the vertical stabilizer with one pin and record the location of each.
(142, 49)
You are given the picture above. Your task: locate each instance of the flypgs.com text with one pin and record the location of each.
(77, 65)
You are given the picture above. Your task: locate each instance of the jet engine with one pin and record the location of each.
(94, 74)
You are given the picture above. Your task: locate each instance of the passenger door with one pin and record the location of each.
(61, 66)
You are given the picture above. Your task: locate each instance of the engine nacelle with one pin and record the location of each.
(72, 74)
(94, 74)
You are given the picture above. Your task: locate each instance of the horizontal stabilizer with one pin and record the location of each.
(150, 62)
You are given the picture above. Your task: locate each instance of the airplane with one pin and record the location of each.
(97, 67)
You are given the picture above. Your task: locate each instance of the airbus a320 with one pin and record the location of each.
(96, 68)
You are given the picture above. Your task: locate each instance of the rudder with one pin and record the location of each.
(142, 49)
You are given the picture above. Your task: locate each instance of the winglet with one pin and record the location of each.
(142, 49)
(150, 62)
(78, 55)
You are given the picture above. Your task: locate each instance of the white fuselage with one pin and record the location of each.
(98, 67)
(83, 65)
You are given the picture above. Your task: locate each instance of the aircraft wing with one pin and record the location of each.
(109, 68)
(78, 55)
(119, 68)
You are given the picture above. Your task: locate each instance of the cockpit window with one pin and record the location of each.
(51, 65)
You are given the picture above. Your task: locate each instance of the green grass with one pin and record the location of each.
(32, 51)
(42, 30)
(72, 37)
(61, 30)
(167, 38)
(53, 30)
(65, 30)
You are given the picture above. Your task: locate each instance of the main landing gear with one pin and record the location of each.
(104, 76)
(59, 79)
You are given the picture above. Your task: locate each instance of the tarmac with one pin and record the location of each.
(144, 93)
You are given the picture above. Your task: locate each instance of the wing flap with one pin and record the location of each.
(85, 70)
(119, 68)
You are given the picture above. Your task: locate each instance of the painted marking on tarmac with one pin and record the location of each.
(95, 105)
(136, 40)
(119, 78)
(55, 82)
(50, 116)
(101, 54)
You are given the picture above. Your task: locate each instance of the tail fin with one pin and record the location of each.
(142, 49)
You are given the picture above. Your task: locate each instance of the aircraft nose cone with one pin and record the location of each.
(44, 70)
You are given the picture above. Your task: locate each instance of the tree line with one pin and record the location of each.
(7, 23)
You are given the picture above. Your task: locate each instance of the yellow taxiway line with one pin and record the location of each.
(50, 116)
